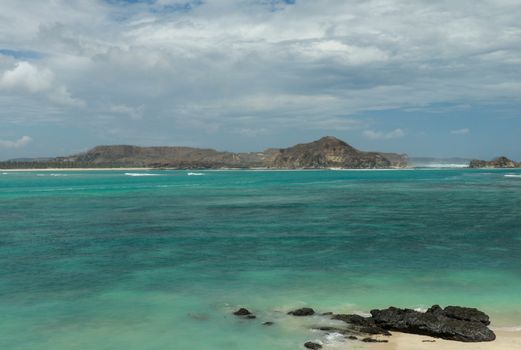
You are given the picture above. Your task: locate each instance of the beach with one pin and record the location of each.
(402, 341)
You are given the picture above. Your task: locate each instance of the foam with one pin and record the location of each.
(195, 174)
(513, 176)
(141, 174)
(53, 174)
(443, 165)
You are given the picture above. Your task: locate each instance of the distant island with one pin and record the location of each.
(500, 162)
(327, 152)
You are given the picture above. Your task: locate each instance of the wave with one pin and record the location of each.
(442, 165)
(55, 175)
(512, 175)
(195, 174)
(141, 174)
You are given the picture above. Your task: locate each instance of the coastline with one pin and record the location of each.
(10, 170)
(505, 340)
(73, 169)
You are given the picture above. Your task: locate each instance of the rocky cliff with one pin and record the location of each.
(500, 162)
(328, 152)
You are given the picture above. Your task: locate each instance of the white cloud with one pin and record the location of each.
(27, 77)
(62, 96)
(380, 135)
(464, 131)
(21, 142)
(308, 66)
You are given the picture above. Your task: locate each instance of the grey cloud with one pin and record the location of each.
(21, 142)
(309, 65)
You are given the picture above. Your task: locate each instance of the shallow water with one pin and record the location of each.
(108, 260)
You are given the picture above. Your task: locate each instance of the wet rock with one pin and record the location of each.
(305, 311)
(312, 345)
(372, 340)
(466, 314)
(354, 319)
(361, 324)
(269, 323)
(245, 313)
(435, 323)
(352, 337)
(242, 312)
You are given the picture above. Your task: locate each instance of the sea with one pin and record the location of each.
(158, 260)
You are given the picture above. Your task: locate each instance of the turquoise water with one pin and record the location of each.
(103, 260)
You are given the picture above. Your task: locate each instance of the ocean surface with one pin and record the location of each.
(158, 260)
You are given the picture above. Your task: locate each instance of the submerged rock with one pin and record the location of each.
(269, 323)
(312, 345)
(242, 312)
(305, 311)
(437, 322)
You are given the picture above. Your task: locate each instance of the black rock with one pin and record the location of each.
(312, 346)
(250, 317)
(434, 323)
(242, 312)
(361, 324)
(372, 340)
(269, 323)
(466, 314)
(354, 319)
(305, 311)
(352, 337)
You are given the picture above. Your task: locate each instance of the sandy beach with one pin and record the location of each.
(401, 341)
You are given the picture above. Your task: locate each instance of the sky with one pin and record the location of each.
(428, 78)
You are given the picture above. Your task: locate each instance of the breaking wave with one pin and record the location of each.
(141, 174)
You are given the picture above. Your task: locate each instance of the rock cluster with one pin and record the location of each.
(452, 323)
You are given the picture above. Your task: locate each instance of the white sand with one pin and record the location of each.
(402, 341)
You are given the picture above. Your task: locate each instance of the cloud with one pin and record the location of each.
(380, 135)
(211, 66)
(135, 113)
(21, 142)
(27, 77)
(62, 96)
(464, 131)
